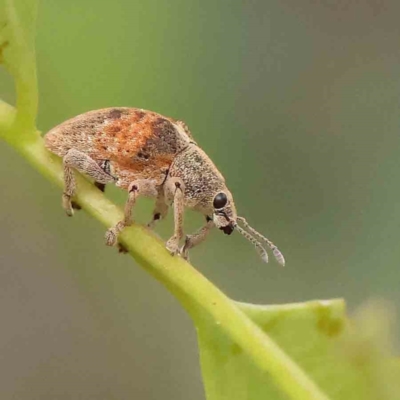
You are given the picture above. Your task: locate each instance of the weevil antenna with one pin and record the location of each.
(277, 254)
(259, 248)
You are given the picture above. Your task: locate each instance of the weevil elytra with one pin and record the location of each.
(149, 155)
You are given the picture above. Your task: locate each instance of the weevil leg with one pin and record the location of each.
(174, 191)
(75, 159)
(160, 209)
(69, 189)
(196, 238)
(140, 187)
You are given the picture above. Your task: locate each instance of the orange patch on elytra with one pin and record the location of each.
(113, 129)
(128, 170)
(156, 163)
(126, 135)
(130, 143)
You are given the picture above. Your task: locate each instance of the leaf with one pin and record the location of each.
(17, 53)
(317, 336)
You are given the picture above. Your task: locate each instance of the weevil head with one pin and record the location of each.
(224, 211)
(226, 219)
(205, 188)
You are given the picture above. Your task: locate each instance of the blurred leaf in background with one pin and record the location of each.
(346, 360)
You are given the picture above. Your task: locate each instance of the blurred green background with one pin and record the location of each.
(298, 105)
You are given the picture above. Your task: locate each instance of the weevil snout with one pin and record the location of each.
(226, 219)
(228, 229)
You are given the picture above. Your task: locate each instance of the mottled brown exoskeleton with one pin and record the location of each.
(150, 155)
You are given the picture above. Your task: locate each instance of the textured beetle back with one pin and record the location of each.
(138, 143)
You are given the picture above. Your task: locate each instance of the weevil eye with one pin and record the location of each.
(220, 200)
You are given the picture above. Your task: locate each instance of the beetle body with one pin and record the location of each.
(146, 154)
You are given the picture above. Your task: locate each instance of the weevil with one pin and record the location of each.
(154, 156)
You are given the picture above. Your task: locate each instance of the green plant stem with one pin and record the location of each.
(21, 62)
(199, 296)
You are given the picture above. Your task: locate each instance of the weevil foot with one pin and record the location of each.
(184, 252)
(75, 205)
(172, 246)
(122, 249)
(67, 205)
(111, 237)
